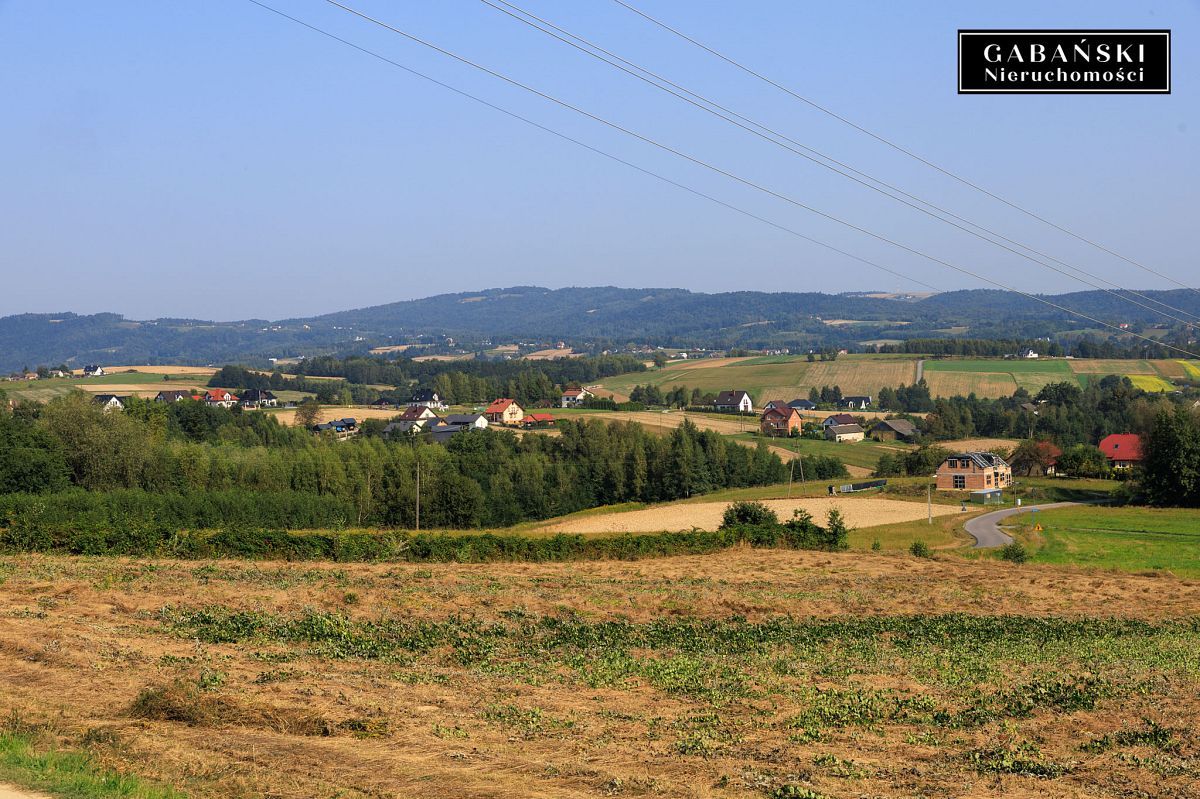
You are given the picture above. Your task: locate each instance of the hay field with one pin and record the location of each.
(748, 674)
(287, 416)
(204, 371)
(1111, 366)
(961, 384)
(859, 512)
(980, 444)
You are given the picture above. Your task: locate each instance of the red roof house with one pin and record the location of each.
(504, 411)
(1123, 450)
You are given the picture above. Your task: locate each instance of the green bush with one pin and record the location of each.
(748, 513)
(920, 549)
(1014, 553)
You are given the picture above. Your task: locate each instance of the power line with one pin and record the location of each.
(596, 150)
(899, 148)
(774, 137)
(699, 162)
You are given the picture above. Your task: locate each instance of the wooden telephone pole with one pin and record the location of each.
(418, 496)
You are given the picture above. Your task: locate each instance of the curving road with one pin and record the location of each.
(986, 530)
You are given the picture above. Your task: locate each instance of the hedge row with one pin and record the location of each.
(142, 539)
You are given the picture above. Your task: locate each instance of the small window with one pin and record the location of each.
(960, 481)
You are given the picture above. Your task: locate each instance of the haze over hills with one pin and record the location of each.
(587, 316)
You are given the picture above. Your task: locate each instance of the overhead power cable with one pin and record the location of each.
(901, 149)
(596, 150)
(732, 176)
(774, 137)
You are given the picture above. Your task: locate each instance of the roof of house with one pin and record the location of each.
(856, 399)
(174, 394)
(425, 395)
(1122, 447)
(464, 418)
(731, 397)
(257, 395)
(782, 411)
(501, 405)
(414, 412)
(104, 399)
(842, 429)
(383, 401)
(901, 427)
(218, 394)
(802, 404)
(539, 417)
(839, 418)
(984, 460)
(575, 392)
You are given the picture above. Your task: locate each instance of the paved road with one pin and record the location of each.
(986, 530)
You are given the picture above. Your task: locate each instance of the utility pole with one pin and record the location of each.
(929, 502)
(418, 496)
(791, 473)
(801, 459)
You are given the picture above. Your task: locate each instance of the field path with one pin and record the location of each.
(920, 369)
(9, 792)
(986, 530)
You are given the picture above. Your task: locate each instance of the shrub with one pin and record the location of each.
(748, 514)
(1014, 553)
(920, 549)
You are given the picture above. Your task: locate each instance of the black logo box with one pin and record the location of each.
(1073, 62)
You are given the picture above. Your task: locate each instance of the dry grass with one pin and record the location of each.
(83, 646)
(858, 512)
(980, 444)
(137, 389)
(199, 371)
(961, 384)
(287, 416)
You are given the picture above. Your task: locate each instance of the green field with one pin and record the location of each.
(789, 376)
(1125, 538)
(862, 453)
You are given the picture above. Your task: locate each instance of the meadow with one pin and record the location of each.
(751, 674)
(788, 376)
(1127, 538)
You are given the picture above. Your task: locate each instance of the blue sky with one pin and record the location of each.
(210, 159)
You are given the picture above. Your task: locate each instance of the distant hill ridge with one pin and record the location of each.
(605, 315)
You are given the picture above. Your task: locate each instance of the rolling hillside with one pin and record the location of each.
(601, 317)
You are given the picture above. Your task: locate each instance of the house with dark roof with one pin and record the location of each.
(973, 471)
(856, 403)
(416, 413)
(110, 402)
(844, 432)
(475, 421)
(734, 401)
(258, 398)
(341, 429)
(772, 404)
(172, 396)
(838, 418)
(894, 430)
(1123, 450)
(93, 370)
(429, 398)
(803, 405)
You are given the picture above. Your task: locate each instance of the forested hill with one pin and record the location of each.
(601, 316)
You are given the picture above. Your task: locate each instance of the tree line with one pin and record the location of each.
(192, 454)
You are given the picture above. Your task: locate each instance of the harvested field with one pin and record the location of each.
(205, 371)
(980, 444)
(838, 674)
(858, 511)
(138, 389)
(552, 354)
(1111, 366)
(961, 384)
(287, 416)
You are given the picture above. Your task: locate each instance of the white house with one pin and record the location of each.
(574, 397)
(428, 398)
(92, 370)
(738, 401)
(475, 420)
(109, 402)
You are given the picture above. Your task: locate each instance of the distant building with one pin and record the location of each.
(504, 411)
(219, 397)
(258, 398)
(172, 396)
(803, 405)
(1029, 354)
(110, 402)
(538, 420)
(574, 397)
(476, 421)
(93, 370)
(844, 432)
(973, 471)
(856, 403)
(838, 419)
(780, 421)
(737, 401)
(894, 430)
(341, 429)
(429, 398)
(1123, 450)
